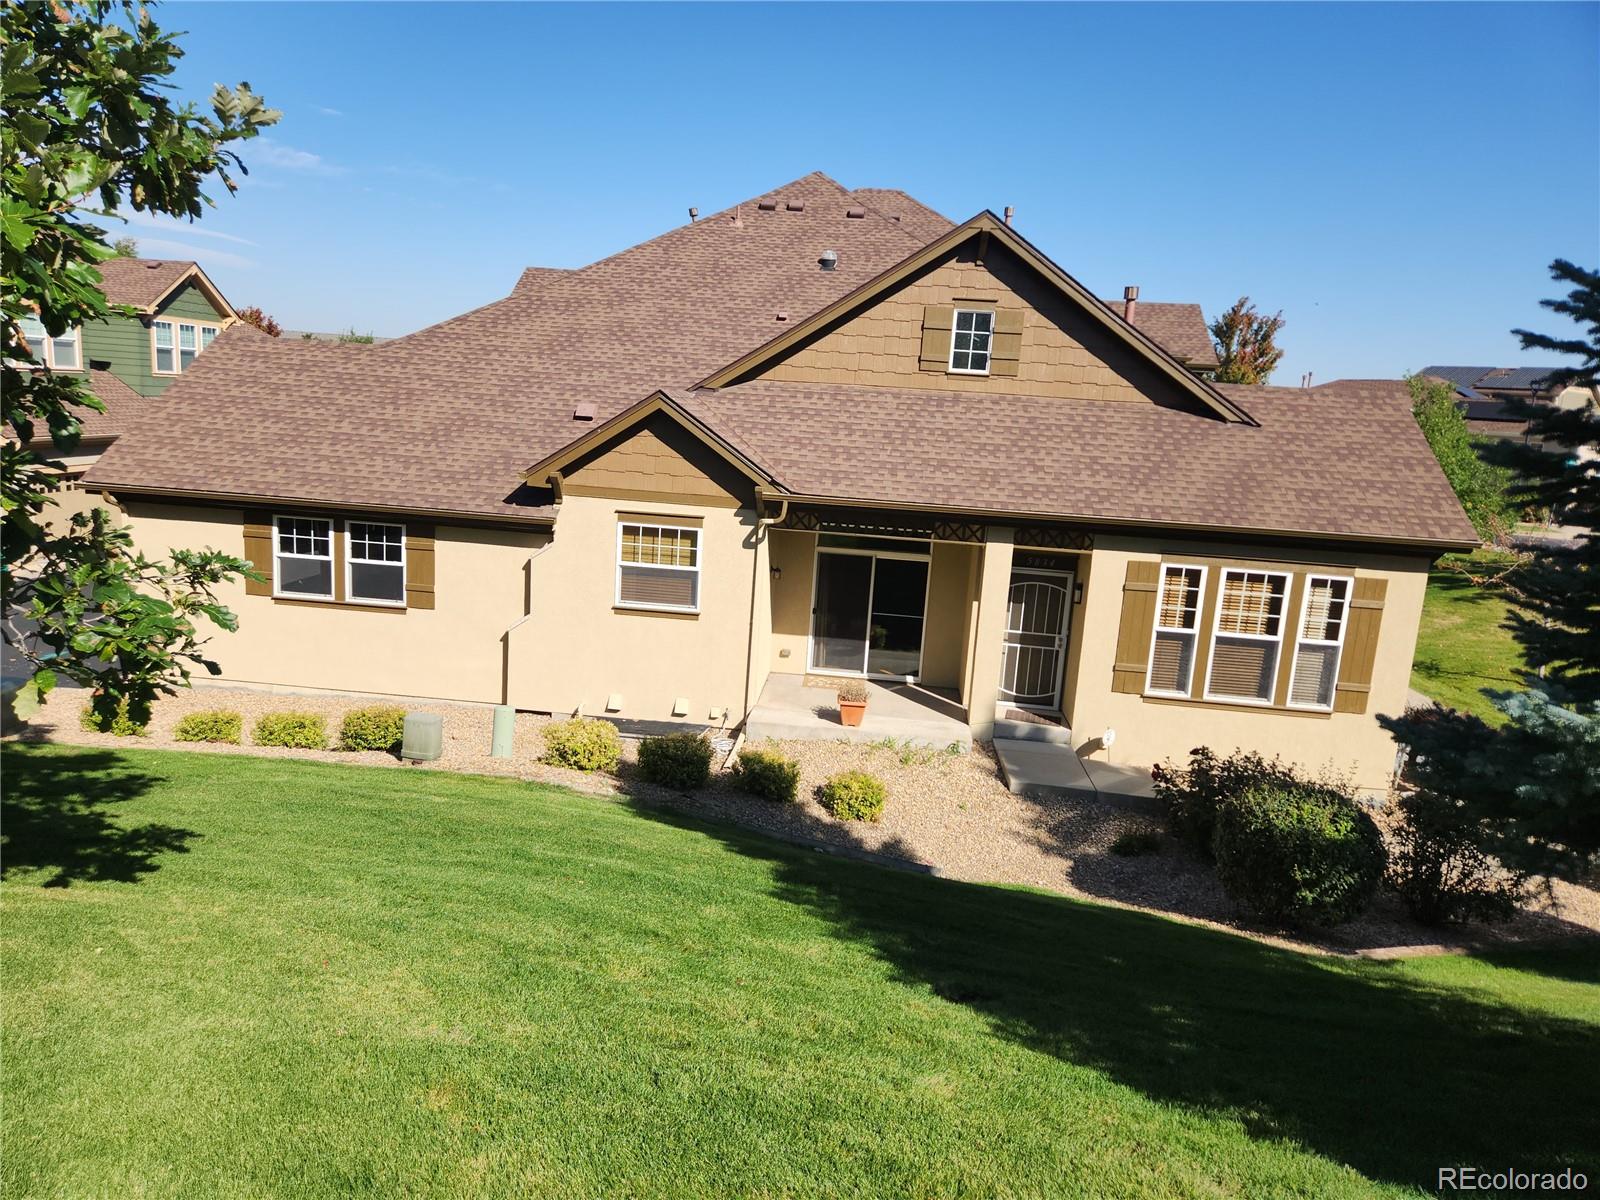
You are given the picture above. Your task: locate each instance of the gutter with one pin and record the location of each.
(762, 525)
(238, 498)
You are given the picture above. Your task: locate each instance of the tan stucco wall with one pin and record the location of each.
(449, 652)
(1064, 352)
(944, 642)
(577, 649)
(1148, 731)
(794, 554)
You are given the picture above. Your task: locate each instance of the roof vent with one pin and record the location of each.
(767, 205)
(855, 214)
(694, 214)
(783, 314)
(1130, 303)
(152, 266)
(796, 206)
(828, 261)
(584, 411)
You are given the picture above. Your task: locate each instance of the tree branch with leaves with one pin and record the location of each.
(91, 129)
(1246, 343)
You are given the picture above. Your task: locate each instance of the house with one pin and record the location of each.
(1485, 396)
(124, 357)
(817, 434)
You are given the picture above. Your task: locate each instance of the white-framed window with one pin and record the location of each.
(175, 344)
(658, 566)
(1177, 629)
(375, 563)
(969, 341)
(64, 353)
(1320, 641)
(1247, 636)
(302, 557)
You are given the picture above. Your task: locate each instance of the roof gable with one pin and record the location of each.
(985, 233)
(145, 283)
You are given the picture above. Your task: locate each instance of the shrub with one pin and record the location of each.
(1302, 854)
(854, 796)
(584, 744)
(767, 774)
(677, 760)
(215, 725)
(297, 730)
(853, 690)
(1193, 794)
(1440, 869)
(1134, 842)
(100, 717)
(380, 727)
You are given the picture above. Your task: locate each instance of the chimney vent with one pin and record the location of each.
(1010, 212)
(828, 261)
(694, 214)
(1130, 303)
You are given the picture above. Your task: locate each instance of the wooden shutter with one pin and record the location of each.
(1360, 646)
(258, 550)
(1138, 619)
(937, 322)
(419, 566)
(1005, 353)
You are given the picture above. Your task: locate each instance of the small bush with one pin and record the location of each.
(1193, 794)
(215, 725)
(1135, 842)
(1439, 868)
(677, 760)
(1299, 855)
(100, 717)
(767, 774)
(297, 730)
(380, 727)
(853, 690)
(854, 796)
(584, 744)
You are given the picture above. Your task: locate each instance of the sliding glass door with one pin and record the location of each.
(868, 615)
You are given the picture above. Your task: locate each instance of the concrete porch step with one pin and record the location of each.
(1051, 768)
(1032, 731)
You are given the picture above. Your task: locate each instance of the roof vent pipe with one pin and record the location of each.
(1010, 212)
(694, 214)
(828, 261)
(1130, 303)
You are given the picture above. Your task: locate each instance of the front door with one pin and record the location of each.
(1036, 639)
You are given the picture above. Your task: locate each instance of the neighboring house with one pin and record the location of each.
(124, 358)
(804, 437)
(1485, 394)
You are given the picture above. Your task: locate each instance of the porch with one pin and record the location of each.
(805, 708)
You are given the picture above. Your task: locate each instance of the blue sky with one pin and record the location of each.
(1395, 178)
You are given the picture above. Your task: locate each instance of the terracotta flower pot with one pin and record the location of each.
(851, 711)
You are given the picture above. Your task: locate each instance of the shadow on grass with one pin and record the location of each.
(1576, 964)
(1356, 1061)
(59, 815)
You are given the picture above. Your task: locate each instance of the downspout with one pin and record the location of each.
(527, 600)
(762, 524)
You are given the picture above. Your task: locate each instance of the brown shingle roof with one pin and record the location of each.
(141, 282)
(915, 217)
(1179, 328)
(1319, 463)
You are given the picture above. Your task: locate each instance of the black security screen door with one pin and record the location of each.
(844, 590)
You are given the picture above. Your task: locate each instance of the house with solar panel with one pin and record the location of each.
(1486, 396)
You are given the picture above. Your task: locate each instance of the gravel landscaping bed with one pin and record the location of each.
(948, 811)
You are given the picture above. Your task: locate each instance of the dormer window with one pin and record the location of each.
(969, 347)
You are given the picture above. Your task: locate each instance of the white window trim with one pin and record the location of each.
(988, 356)
(277, 553)
(350, 562)
(699, 551)
(177, 359)
(1338, 645)
(1156, 628)
(1216, 625)
(45, 351)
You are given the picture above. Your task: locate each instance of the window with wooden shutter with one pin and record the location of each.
(1319, 641)
(658, 566)
(1247, 636)
(1129, 667)
(419, 566)
(1177, 625)
(1006, 351)
(1351, 693)
(938, 320)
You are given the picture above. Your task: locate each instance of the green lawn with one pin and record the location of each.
(228, 976)
(1463, 646)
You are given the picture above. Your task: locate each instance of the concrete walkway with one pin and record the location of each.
(790, 707)
(1039, 760)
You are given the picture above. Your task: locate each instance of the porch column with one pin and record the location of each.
(988, 643)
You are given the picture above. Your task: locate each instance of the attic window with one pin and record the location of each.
(969, 348)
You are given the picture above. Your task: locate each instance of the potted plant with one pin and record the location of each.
(852, 701)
